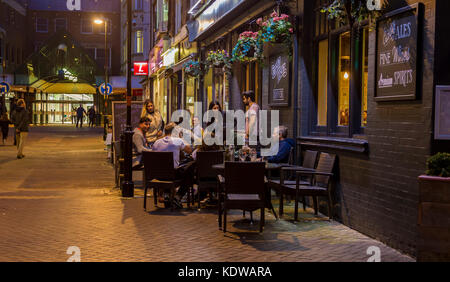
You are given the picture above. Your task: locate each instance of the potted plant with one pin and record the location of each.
(248, 47)
(277, 29)
(434, 210)
(219, 59)
(193, 68)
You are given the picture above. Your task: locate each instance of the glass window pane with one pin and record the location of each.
(365, 77)
(322, 80)
(344, 79)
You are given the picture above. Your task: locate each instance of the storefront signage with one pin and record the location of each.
(140, 68)
(399, 54)
(442, 113)
(279, 79)
(73, 5)
(169, 57)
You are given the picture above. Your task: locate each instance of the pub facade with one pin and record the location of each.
(365, 93)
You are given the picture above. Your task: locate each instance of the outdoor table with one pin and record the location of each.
(220, 168)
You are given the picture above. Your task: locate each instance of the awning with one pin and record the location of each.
(63, 88)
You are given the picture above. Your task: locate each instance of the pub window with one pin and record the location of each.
(41, 25)
(344, 79)
(365, 76)
(60, 24)
(322, 83)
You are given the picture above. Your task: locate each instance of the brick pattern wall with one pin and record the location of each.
(377, 193)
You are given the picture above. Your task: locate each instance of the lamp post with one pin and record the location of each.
(105, 22)
(127, 184)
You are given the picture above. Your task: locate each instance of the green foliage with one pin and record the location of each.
(350, 11)
(248, 48)
(276, 29)
(193, 68)
(439, 165)
(219, 59)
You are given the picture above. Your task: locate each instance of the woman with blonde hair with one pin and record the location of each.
(155, 130)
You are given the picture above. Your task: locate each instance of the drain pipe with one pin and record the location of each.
(295, 89)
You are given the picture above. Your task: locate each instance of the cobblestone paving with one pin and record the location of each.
(62, 195)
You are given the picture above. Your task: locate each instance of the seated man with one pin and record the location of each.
(285, 145)
(170, 143)
(139, 142)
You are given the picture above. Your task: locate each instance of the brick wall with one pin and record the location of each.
(377, 192)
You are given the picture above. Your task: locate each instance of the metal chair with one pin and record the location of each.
(244, 189)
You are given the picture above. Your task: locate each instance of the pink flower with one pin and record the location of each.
(264, 24)
(274, 14)
(259, 21)
(284, 16)
(291, 30)
(276, 19)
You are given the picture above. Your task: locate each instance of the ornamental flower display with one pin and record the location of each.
(219, 59)
(193, 68)
(276, 29)
(248, 47)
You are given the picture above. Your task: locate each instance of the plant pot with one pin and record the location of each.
(434, 219)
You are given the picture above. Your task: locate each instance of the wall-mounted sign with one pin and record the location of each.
(442, 113)
(399, 54)
(119, 112)
(106, 89)
(169, 57)
(140, 68)
(279, 79)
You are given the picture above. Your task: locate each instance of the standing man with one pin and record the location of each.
(80, 114)
(251, 118)
(20, 119)
(91, 114)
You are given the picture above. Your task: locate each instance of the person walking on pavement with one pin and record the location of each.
(20, 118)
(91, 115)
(80, 114)
(4, 125)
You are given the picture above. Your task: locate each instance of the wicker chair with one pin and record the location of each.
(206, 175)
(244, 189)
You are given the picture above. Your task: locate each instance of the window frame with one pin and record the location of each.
(332, 128)
(82, 25)
(65, 25)
(46, 24)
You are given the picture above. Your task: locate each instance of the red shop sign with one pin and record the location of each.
(140, 68)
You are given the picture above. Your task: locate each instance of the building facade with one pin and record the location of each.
(362, 93)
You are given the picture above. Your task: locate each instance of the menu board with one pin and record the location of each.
(120, 117)
(398, 54)
(279, 79)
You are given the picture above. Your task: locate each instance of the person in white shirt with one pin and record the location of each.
(185, 171)
(251, 118)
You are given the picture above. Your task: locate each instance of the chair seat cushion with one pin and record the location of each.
(243, 197)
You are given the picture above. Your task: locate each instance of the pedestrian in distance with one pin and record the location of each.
(4, 125)
(81, 112)
(20, 119)
(91, 115)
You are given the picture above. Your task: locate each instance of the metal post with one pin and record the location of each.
(128, 185)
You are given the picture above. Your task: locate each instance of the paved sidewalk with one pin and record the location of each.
(61, 195)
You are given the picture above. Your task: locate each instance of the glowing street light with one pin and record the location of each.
(98, 21)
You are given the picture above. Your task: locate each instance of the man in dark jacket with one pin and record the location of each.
(20, 119)
(284, 148)
(80, 114)
(91, 114)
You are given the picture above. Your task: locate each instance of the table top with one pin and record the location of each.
(269, 166)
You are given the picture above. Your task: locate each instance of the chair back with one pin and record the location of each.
(326, 164)
(205, 161)
(245, 178)
(309, 160)
(291, 156)
(159, 165)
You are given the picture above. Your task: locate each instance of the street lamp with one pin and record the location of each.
(104, 21)
(128, 185)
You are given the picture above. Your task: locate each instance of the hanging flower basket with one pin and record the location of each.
(248, 48)
(276, 29)
(219, 59)
(193, 68)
